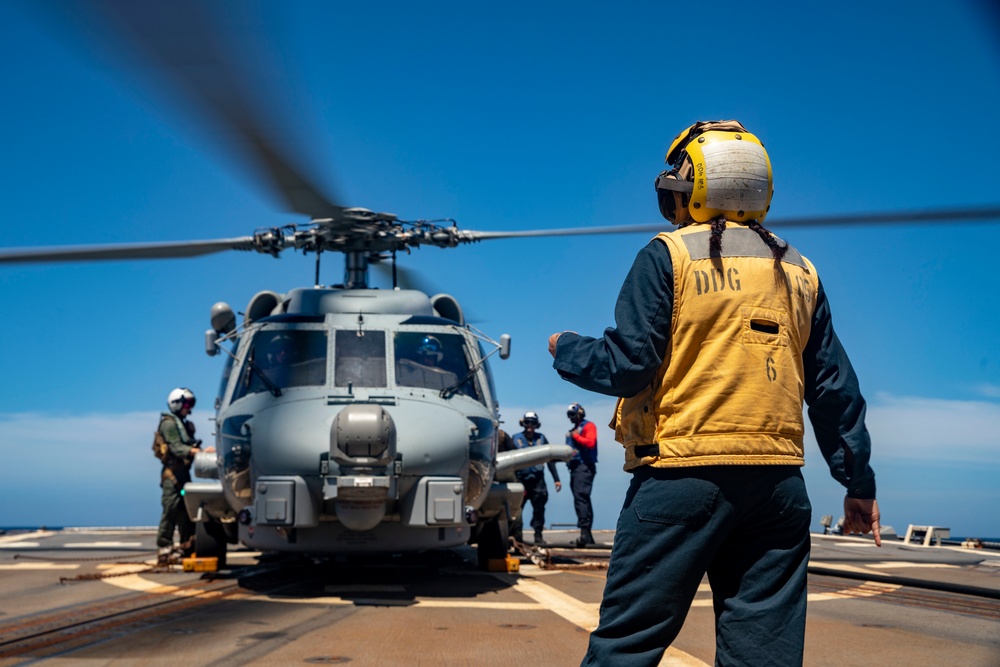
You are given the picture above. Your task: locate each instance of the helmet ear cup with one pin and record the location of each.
(668, 204)
(673, 203)
(665, 198)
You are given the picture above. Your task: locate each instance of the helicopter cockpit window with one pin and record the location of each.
(360, 359)
(433, 361)
(284, 358)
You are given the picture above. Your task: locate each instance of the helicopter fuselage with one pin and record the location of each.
(354, 421)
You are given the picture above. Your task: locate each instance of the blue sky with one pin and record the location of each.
(512, 116)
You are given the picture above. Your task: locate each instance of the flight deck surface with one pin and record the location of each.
(92, 595)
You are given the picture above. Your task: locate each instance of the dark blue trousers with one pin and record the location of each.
(581, 483)
(747, 527)
(537, 493)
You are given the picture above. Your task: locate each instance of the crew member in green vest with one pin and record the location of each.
(178, 433)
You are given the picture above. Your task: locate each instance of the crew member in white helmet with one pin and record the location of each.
(175, 445)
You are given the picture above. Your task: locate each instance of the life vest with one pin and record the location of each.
(731, 386)
(172, 464)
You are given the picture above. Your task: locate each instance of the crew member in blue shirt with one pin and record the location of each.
(533, 478)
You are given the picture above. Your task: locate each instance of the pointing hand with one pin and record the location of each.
(862, 516)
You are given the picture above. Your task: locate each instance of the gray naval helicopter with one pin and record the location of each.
(354, 420)
(349, 420)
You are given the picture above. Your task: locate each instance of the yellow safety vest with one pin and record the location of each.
(731, 386)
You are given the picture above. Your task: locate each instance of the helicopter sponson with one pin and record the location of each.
(356, 421)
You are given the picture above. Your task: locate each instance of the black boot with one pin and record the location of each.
(585, 538)
(539, 541)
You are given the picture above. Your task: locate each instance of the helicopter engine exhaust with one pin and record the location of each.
(363, 444)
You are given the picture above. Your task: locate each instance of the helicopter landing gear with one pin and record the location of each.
(493, 542)
(210, 541)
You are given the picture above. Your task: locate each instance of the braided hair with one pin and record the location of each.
(715, 240)
(778, 248)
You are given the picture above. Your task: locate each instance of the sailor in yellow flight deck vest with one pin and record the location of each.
(706, 397)
(721, 332)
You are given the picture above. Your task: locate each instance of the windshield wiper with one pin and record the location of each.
(448, 392)
(273, 388)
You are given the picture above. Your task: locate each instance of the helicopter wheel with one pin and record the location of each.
(492, 543)
(210, 541)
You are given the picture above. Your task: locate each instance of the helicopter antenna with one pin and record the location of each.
(319, 251)
(393, 268)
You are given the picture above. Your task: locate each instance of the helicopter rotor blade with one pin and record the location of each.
(470, 236)
(206, 67)
(906, 217)
(951, 215)
(406, 277)
(166, 250)
(274, 241)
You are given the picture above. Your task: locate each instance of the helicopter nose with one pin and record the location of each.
(363, 435)
(363, 443)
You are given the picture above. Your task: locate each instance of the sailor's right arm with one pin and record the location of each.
(836, 406)
(623, 361)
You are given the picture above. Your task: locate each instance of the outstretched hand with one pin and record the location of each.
(552, 343)
(861, 516)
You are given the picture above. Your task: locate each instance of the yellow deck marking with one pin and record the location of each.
(889, 564)
(674, 657)
(134, 582)
(844, 568)
(865, 590)
(582, 614)
(16, 540)
(389, 602)
(39, 566)
(462, 604)
(586, 615)
(532, 570)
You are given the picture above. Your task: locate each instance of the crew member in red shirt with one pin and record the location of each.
(582, 468)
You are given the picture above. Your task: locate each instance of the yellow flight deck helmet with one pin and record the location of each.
(718, 169)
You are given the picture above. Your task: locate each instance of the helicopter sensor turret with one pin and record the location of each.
(363, 444)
